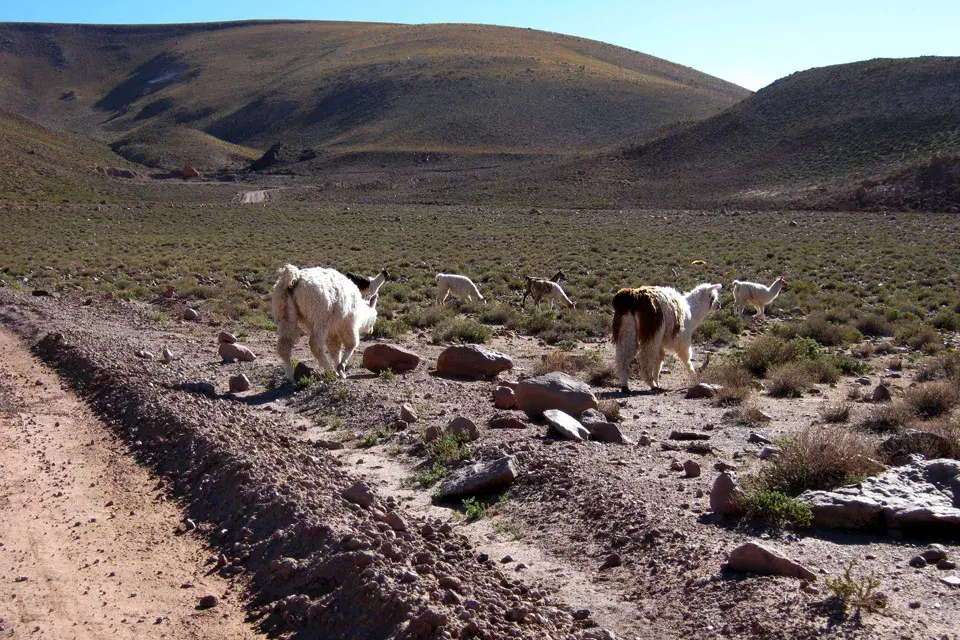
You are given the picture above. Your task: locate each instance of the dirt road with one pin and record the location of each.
(88, 547)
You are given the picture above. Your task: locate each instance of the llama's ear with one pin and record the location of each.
(718, 286)
(373, 300)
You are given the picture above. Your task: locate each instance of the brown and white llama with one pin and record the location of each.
(539, 289)
(653, 320)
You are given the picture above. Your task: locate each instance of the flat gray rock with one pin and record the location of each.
(554, 391)
(922, 496)
(479, 477)
(565, 425)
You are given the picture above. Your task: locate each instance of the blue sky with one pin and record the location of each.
(749, 42)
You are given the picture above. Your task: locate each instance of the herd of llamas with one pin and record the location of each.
(334, 309)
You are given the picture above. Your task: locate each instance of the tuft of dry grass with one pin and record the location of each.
(888, 417)
(789, 380)
(738, 385)
(836, 412)
(819, 458)
(587, 364)
(929, 400)
(945, 367)
(610, 409)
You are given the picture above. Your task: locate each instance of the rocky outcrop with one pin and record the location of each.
(922, 496)
(554, 391)
(479, 477)
(380, 357)
(472, 361)
(756, 558)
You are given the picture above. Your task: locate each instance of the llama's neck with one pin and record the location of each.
(700, 302)
(376, 282)
(775, 288)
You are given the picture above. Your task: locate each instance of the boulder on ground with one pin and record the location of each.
(756, 558)
(565, 425)
(504, 398)
(554, 390)
(691, 468)
(881, 393)
(464, 427)
(380, 357)
(703, 390)
(239, 383)
(359, 494)
(606, 432)
(472, 361)
(230, 352)
(726, 497)
(922, 496)
(408, 414)
(225, 336)
(479, 477)
(191, 314)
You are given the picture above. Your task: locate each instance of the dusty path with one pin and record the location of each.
(88, 547)
(253, 197)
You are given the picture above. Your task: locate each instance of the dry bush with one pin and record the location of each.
(889, 416)
(946, 367)
(588, 364)
(738, 385)
(874, 324)
(836, 412)
(749, 412)
(768, 351)
(819, 458)
(789, 380)
(948, 428)
(930, 400)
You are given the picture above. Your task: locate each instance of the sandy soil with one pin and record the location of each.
(90, 547)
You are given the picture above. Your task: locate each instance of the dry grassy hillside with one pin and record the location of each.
(804, 140)
(347, 87)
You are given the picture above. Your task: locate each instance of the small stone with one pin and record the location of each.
(918, 562)
(703, 390)
(359, 494)
(506, 421)
(644, 440)
(449, 582)
(230, 352)
(612, 560)
(723, 465)
(946, 565)
(506, 559)
(395, 522)
(688, 435)
(408, 414)
(166, 356)
(769, 452)
(144, 355)
(758, 438)
(933, 553)
(464, 427)
(224, 336)
(504, 398)
(951, 581)
(208, 601)
(676, 465)
(191, 314)
(914, 605)
(881, 393)
(691, 468)
(239, 383)
(432, 433)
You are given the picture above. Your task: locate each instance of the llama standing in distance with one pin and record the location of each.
(538, 288)
(451, 284)
(756, 294)
(331, 311)
(368, 286)
(655, 320)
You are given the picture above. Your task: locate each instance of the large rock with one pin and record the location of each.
(380, 357)
(472, 361)
(703, 390)
(239, 383)
(565, 425)
(601, 429)
(923, 496)
(554, 391)
(230, 352)
(479, 477)
(359, 494)
(756, 558)
(726, 497)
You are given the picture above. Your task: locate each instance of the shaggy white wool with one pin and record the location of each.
(328, 307)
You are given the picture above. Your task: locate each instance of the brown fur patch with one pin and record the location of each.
(645, 304)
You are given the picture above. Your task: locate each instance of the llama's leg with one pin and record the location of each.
(334, 349)
(652, 360)
(685, 354)
(626, 350)
(350, 341)
(318, 340)
(287, 336)
(442, 292)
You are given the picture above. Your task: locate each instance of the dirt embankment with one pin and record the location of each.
(319, 566)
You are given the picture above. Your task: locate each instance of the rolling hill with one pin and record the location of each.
(343, 88)
(811, 139)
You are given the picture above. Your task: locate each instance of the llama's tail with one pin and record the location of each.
(734, 286)
(284, 310)
(645, 305)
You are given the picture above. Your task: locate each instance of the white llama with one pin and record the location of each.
(655, 320)
(451, 284)
(331, 311)
(756, 294)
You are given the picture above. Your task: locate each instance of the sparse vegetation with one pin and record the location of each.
(836, 412)
(777, 509)
(857, 593)
(449, 449)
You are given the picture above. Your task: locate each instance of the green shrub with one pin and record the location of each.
(874, 325)
(945, 367)
(835, 413)
(473, 509)
(857, 593)
(946, 321)
(777, 509)
(768, 351)
(449, 449)
(499, 314)
(737, 383)
(431, 475)
(390, 329)
(888, 417)
(465, 330)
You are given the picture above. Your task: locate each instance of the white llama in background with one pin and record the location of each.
(757, 295)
